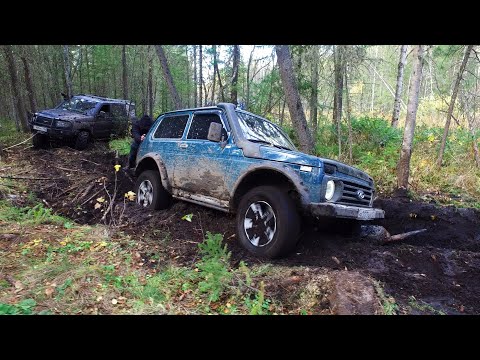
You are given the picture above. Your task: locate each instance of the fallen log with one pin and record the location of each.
(398, 237)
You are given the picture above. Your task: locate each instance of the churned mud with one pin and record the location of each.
(435, 272)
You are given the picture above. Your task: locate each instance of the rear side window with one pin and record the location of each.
(201, 124)
(118, 110)
(171, 127)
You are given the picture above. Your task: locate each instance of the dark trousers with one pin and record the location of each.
(133, 153)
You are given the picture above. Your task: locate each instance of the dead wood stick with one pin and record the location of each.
(87, 190)
(62, 168)
(25, 178)
(91, 197)
(402, 236)
(89, 161)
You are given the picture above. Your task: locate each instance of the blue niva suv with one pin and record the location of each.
(235, 161)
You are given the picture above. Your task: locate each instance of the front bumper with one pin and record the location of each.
(345, 211)
(52, 132)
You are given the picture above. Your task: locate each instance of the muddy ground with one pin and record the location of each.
(437, 271)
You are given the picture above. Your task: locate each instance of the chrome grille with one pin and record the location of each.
(43, 121)
(350, 194)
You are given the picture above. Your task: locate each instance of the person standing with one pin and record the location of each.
(139, 130)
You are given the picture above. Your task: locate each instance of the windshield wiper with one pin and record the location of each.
(269, 143)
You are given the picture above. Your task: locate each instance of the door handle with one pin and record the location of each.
(183, 146)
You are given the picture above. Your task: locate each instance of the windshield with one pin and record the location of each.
(79, 105)
(260, 130)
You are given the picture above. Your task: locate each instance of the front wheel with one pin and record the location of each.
(150, 192)
(82, 140)
(268, 223)
(40, 141)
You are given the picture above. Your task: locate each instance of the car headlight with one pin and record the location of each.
(62, 124)
(330, 190)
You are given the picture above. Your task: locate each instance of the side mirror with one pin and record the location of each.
(215, 132)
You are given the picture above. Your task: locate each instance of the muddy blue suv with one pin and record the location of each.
(235, 161)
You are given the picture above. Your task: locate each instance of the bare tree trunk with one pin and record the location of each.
(235, 66)
(68, 73)
(452, 103)
(168, 77)
(217, 71)
(247, 92)
(282, 117)
(349, 118)
(214, 48)
(403, 167)
(150, 83)
(195, 82)
(19, 107)
(314, 93)
(295, 106)
(374, 75)
(270, 106)
(337, 100)
(28, 81)
(398, 89)
(200, 76)
(187, 71)
(89, 81)
(124, 72)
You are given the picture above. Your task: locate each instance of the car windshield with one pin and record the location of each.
(260, 130)
(79, 105)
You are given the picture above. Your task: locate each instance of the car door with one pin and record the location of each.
(119, 118)
(165, 139)
(103, 124)
(204, 163)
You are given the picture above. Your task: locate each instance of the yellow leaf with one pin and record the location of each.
(433, 217)
(130, 195)
(101, 199)
(117, 167)
(98, 206)
(49, 291)
(431, 138)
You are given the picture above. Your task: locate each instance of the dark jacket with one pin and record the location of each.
(141, 127)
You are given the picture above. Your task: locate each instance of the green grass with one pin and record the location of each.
(121, 145)
(9, 135)
(35, 215)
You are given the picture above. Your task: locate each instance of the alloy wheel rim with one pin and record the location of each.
(260, 223)
(145, 193)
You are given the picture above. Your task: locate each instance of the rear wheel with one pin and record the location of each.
(150, 192)
(268, 224)
(83, 138)
(40, 141)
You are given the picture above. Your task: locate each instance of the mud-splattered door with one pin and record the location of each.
(202, 165)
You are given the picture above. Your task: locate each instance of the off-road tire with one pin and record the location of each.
(40, 141)
(161, 199)
(286, 228)
(82, 140)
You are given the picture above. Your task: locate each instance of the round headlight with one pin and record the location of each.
(330, 190)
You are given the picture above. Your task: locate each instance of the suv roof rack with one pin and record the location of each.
(106, 99)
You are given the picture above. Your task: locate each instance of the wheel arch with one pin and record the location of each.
(273, 176)
(152, 161)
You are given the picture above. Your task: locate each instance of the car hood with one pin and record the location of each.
(62, 114)
(299, 158)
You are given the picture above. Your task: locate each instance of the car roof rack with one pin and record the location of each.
(106, 99)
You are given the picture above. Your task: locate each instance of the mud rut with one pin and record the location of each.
(440, 267)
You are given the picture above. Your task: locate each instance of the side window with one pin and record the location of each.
(200, 125)
(106, 108)
(119, 111)
(171, 127)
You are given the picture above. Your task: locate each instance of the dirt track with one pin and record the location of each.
(439, 268)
